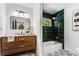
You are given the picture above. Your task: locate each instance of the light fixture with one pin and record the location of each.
(15, 13)
(54, 18)
(26, 15)
(20, 14)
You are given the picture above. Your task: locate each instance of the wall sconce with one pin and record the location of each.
(15, 13)
(20, 14)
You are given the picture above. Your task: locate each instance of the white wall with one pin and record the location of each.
(10, 8)
(36, 21)
(37, 27)
(2, 19)
(71, 37)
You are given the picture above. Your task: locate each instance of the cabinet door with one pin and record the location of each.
(7, 45)
(25, 41)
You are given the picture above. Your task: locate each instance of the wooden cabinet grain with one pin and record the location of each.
(20, 44)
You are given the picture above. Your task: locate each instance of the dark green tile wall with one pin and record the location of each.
(50, 33)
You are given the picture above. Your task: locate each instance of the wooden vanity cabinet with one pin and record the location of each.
(20, 44)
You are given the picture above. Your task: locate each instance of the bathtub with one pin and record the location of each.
(51, 46)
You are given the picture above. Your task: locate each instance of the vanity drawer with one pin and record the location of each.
(8, 46)
(23, 44)
(8, 52)
(30, 39)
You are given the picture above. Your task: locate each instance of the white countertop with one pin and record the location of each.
(15, 35)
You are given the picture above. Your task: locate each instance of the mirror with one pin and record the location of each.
(20, 23)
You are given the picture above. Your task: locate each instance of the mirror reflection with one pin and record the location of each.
(20, 23)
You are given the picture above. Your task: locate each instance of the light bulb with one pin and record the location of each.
(15, 13)
(54, 18)
(26, 15)
(20, 14)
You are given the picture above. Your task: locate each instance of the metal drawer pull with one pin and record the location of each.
(21, 46)
(6, 48)
(21, 39)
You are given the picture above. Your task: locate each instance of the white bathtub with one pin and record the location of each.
(50, 47)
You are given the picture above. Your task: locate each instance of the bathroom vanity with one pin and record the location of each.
(19, 44)
(19, 35)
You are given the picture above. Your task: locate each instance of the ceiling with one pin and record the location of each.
(50, 8)
(54, 7)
